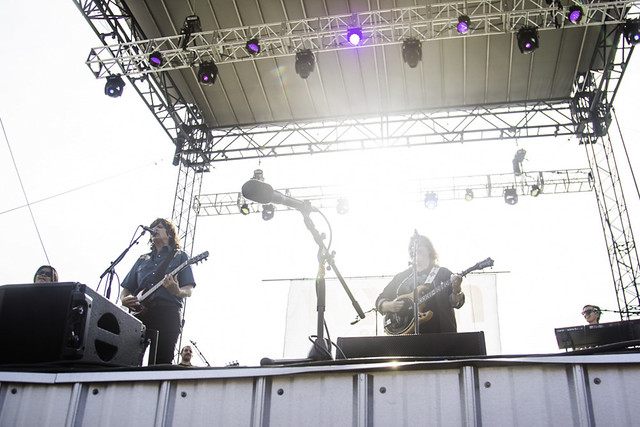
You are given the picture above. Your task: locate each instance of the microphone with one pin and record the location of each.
(263, 193)
(149, 229)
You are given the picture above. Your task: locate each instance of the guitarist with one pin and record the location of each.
(441, 305)
(162, 311)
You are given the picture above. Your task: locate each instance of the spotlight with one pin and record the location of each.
(156, 59)
(343, 206)
(253, 47)
(510, 196)
(244, 209)
(354, 35)
(535, 190)
(114, 86)
(431, 200)
(517, 161)
(463, 24)
(528, 39)
(305, 62)
(207, 73)
(268, 212)
(191, 25)
(412, 52)
(468, 195)
(632, 31)
(575, 14)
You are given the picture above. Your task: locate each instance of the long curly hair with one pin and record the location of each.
(171, 232)
(424, 241)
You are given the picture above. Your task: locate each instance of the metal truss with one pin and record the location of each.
(488, 122)
(379, 28)
(447, 189)
(593, 97)
(183, 122)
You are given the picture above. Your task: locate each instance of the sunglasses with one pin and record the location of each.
(45, 273)
(589, 311)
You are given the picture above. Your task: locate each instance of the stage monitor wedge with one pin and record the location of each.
(424, 345)
(65, 323)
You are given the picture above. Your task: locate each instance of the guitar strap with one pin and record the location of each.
(432, 275)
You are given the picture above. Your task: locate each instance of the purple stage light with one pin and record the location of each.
(463, 24)
(253, 46)
(354, 35)
(575, 14)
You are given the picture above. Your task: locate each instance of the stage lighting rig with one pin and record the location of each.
(354, 35)
(191, 25)
(253, 46)
(431, 200)
(305, 62)
(207, 73)
(114, 86)
(632, 31)
(463, 24)
(528, 39)
(412, 52)
(575, 14)
(535, 190)
(510, 196)
(156, 59)
(343, 206)
(268, 211)
(468, 195)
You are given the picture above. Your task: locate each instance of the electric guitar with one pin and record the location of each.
(402, 322)
(146, 293)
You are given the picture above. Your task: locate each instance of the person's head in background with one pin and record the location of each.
(591, 314)
(45, 274)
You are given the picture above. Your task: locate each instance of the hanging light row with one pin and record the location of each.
(207, 71)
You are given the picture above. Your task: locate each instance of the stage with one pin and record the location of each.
(572, 388)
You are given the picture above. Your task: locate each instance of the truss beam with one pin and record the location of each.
(503, 121)
(379, 28)
(447, 189)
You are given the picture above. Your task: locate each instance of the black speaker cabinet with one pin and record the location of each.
(55, 322)
(423, 345)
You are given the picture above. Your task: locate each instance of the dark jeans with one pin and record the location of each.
(167, 320)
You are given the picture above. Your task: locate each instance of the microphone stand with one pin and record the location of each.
(416, 323)
(320, 349)
(111, 269)
(204, 359)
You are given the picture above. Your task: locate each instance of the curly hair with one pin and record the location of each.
(423, 241)
(171, 232)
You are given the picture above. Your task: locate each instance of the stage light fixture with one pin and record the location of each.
(431, 200)
(510, 196)
(463, 24)
(535, 190)
(412, 52)
(191, 25)
(528, 39)
(253, 47)
(114, 86)
(207, 73)
(268, 211)
(517, 161)
(632, 31)
(156, 59)
(468, 195)
(354, 35)
(575, 14)
(305, 62)
(343, 206)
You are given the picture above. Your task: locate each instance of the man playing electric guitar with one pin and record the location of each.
(162, 311)
(437, 313)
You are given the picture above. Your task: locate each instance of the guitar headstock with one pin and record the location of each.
(479, 266)
(198, 258)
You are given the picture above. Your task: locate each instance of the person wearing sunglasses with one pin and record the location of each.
(45, 274)
(591, 314)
